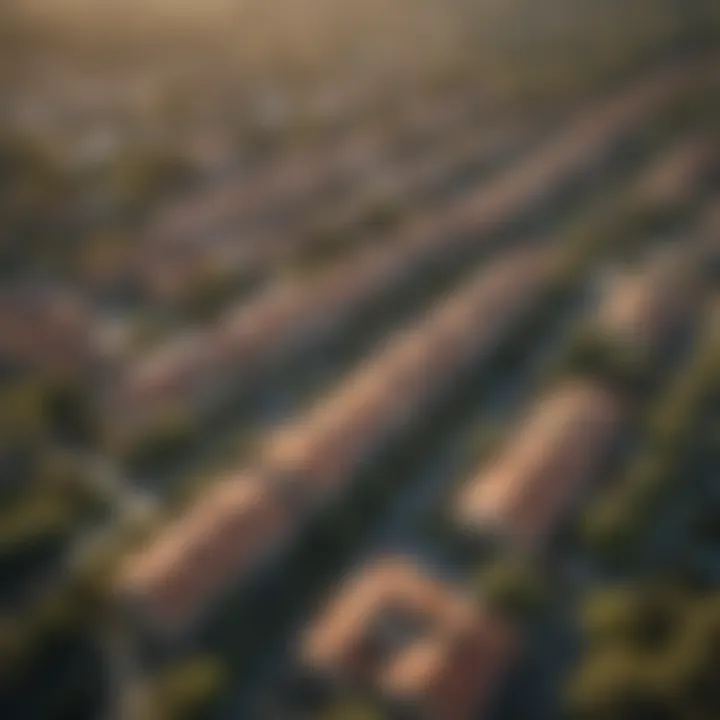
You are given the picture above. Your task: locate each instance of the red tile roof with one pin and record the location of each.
(646, 307)
(227, 532)
(524, 491)
(413, 639)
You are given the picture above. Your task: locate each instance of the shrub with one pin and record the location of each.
(171, 434)
(609, 526)
(614, 684)
(186, 689)
(513, 587)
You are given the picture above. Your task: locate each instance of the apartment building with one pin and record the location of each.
(558, 449)
(413, 640)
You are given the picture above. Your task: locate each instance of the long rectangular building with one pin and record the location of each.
(524, 492)
(239, 523)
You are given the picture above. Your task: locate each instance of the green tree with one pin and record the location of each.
(186, 689)
(22, 419)
(34, 521)
(609, 527)
(169, 435)
(614, 684)
(17, 645)
(69, 409)
(351, 709)
(512, 586)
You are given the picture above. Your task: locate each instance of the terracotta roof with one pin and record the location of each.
(554, 453)
(647, 306)
(396, 630)
(224, 534)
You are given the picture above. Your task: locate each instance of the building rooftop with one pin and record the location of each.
(236, 523)
(557, 449)
(412, 639)
(646, 307)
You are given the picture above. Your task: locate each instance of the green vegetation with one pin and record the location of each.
(513, 587)
(351, 709)
(209, 290)
(186, 689)
(653, 653)
(138, 181)
(167, 436)
(622, 513)
(59, 613)
(651, 642)
(32, 521)
(622, 365)
(35, 190)
(69, 410)
(36, 409)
